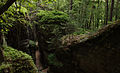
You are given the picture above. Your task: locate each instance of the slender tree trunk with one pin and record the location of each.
(117, 9)
(0, 39)
(1, 50)
(58, 5)
(97, 16)
(111, 10)
(106, 12)
(71, 4)
(4, 40)
(37, 52)
(1, 56)
(38, 64)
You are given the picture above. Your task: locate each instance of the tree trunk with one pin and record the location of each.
(4, 40)
(1, 51)
(117, 9)
(106, 12)
(0, 39)
(38, 64)
(6, 6)
(37, 52)
(71, 4)
(97, 21)
(111, 10)
(1, 56)
(58, 5)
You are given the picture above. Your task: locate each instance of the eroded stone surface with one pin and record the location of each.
(100, 53)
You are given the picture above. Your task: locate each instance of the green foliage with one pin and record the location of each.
(20, 9)
(5, 67)
(32, 43)
(12, 16)
(52, 24)
(17, 61)
(53, 60)
(1, 4)
(80, 31)
(86, 16)
(52, 17)
(50, 1)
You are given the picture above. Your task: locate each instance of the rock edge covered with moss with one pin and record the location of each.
(17, 62)
(97, 53)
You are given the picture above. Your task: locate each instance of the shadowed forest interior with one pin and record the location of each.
(59, 36)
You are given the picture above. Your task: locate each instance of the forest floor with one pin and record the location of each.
(44, 71)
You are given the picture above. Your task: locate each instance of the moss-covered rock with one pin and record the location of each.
(52, 17)
(99, 53)
(17, 62)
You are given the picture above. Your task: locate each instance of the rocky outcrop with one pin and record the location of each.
(98, 53)
(17, 62)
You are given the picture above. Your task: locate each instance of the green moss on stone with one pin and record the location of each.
(52, 17)
(17, 62)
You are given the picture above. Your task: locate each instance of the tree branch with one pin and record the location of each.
(6, 6)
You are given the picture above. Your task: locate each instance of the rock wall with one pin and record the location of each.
(99, 53)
